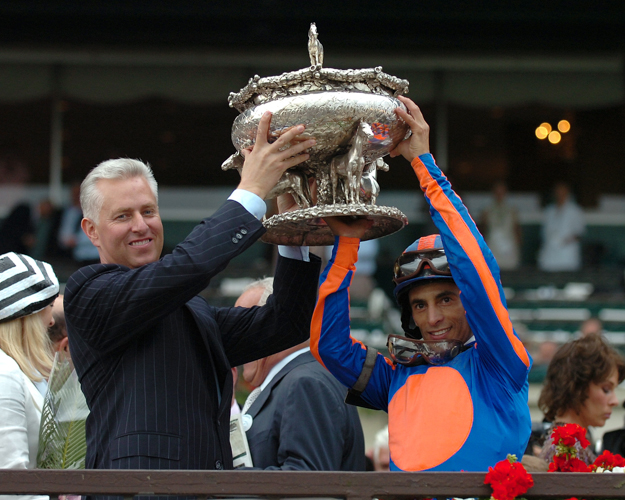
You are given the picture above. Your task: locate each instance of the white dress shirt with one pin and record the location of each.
(255, 205)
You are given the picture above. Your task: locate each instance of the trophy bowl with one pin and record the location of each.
(350, 113)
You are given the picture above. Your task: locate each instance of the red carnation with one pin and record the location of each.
(508, 479)
(566, 463)
(566, 435)
(608, 461)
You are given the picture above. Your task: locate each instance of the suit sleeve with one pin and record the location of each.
(284, 321)
(476, 273)
(330, 339)
(108, 305)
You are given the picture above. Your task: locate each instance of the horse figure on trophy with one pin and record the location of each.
(369, 187)
(295, 182)
(346, 170)
(315, 49)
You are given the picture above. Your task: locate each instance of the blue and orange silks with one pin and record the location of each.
(468, 414)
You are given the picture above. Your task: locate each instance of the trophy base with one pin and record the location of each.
(306, 226)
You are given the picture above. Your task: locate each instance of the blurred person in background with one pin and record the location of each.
(72, 239)
(614, 441)
(562, 230)
(502, 231)
(28, 289)
(591, 326)
(17, 232)
(545, 352)
(46, 223)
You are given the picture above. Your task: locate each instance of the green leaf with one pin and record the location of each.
(62, 437)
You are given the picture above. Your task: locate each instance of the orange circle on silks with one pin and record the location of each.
(430, 418)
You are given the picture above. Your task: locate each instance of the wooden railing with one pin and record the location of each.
(274, 484)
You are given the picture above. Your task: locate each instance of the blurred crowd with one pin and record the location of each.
(42, 229)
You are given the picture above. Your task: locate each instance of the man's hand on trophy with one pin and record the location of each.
(266, 161)
(348, 226)
(419, 142)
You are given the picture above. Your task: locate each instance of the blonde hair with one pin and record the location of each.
(26, 340)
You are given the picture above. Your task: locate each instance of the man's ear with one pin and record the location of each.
(64, 345)
(90, 230)
(63, 349)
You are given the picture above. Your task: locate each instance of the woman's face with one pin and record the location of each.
(601, 399)
(46, 316)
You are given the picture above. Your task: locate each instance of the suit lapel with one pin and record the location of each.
(262, 398)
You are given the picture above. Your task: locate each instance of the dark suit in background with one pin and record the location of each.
(154, 359)
(300, 422)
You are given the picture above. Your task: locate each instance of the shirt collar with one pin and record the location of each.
(276, 369)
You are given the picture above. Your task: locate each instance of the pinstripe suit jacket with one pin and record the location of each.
(154, 359)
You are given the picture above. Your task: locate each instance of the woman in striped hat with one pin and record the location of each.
(27, 290)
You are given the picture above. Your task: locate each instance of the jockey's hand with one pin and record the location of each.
(419, 142)
(349, 226)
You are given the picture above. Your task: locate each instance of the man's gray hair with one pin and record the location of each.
(91, 199)
(266, 284)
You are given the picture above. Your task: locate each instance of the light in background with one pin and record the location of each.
(546, 131)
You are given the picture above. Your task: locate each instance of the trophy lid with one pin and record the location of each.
(316, 78)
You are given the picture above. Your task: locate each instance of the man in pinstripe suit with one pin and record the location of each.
(153, 358)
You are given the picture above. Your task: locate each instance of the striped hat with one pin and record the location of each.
(26, 286)
(431, 242)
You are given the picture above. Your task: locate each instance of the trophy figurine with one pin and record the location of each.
(351, 115)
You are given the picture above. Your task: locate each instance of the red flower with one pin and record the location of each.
(508, 479)
(566, 435)
(566, 463)
(608, 461)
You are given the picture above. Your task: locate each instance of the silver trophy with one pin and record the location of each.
(351, 115)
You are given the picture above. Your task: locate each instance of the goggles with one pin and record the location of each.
(410, 264)
(411, 352)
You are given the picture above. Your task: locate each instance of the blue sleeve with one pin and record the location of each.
(330, 339)
(476, 274)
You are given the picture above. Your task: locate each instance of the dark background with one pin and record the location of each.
(186, 143)
(526, 25)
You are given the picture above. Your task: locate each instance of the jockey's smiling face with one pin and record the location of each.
(438, 312)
